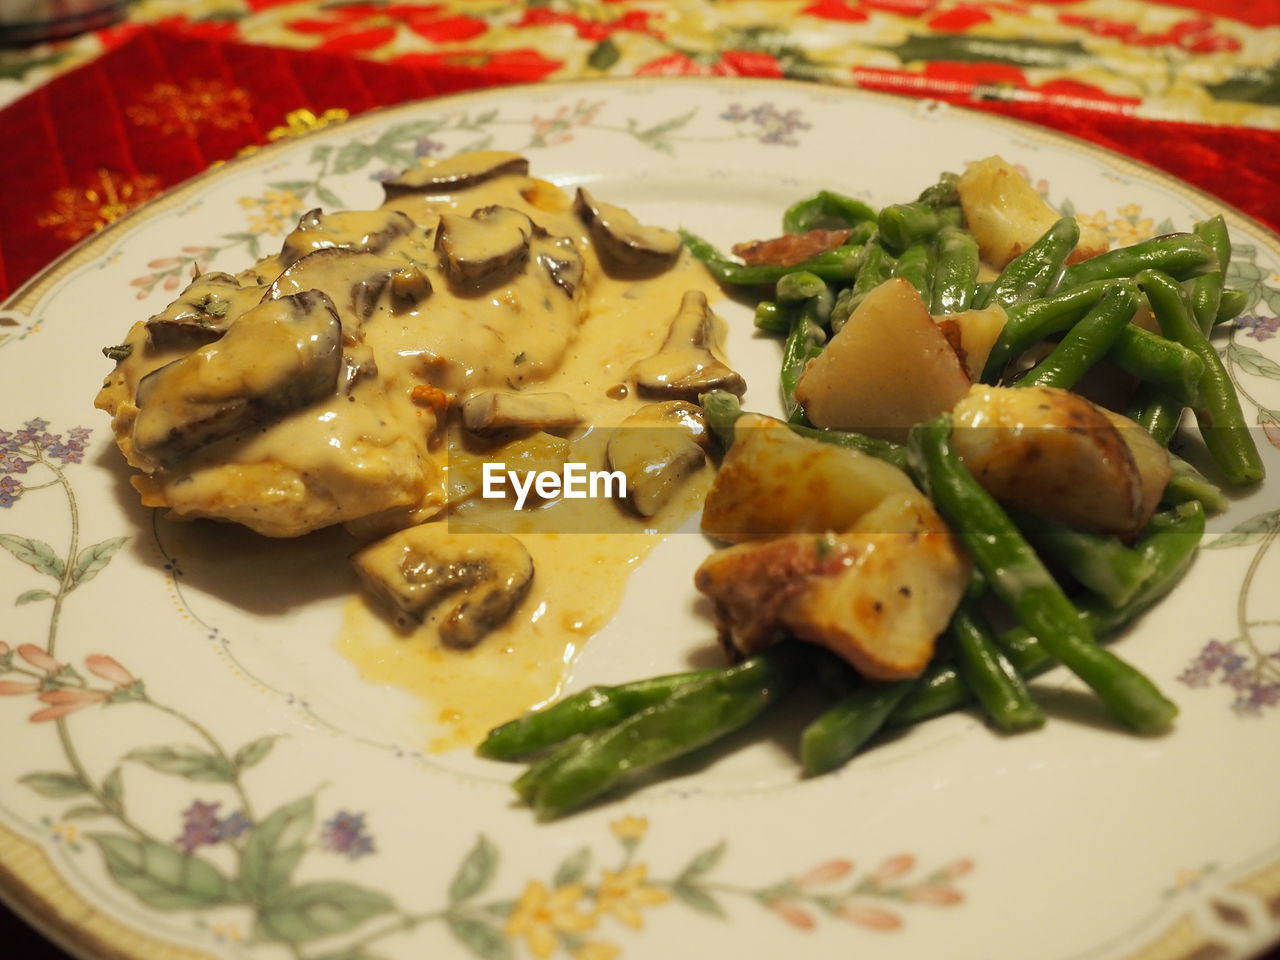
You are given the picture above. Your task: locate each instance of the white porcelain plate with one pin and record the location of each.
(190, 768)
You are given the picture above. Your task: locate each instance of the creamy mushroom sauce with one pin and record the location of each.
(382, 452)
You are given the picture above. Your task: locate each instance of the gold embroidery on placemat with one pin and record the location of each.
(191, 106)
(79, 211)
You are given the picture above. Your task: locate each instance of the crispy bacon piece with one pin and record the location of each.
(790, 248)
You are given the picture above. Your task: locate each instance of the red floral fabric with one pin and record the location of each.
(161, 105)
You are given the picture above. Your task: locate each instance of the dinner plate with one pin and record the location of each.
(191, 768)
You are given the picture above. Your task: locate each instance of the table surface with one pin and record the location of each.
(1177, 60)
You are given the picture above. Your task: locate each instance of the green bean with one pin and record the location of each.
(939, 690)
(915, 265)
(877, 267)
(1019, 578)
(1158, 414)
(1030, 275)
(842, 308)
(956, 273)
(1086, 342)
(1098, 562)
(839, 264)
(944, 193)
(591, 709)
(903, 224)
(886, 450)
(1218, 414)
(830, 740)
(694, 715)
(826, 210)
(1029, 323)
(1159, 407)
(982, 293)
(1189, 484)
(722, 411)
(1206, 290)
(803, 343)
(799, 285)
(987, 672)
(771, 317)
(1181, 255)
(1169, 546)
(1231, 304)
(1163, 365)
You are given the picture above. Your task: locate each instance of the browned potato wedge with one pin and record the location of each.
(1151, 459)
(1006, 214)
(972, 334)
(773, 481)
(888, 368)
(878, 597)
(1052, 452)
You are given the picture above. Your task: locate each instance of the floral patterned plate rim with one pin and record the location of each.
(192, 770)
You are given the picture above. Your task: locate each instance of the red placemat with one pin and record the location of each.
(162, 106)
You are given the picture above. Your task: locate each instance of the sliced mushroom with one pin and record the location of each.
(494, 410)
(414, 570)
(485, 248)
(202, 314)
(366, 231)
(658, 448)
(461, 172)
(357, 281)
(410, 285)
(687, 364)
(560, 258)
(277, 357)
(358, 365)
(625, 244)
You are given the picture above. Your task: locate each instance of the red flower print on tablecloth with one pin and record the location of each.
(958, 79)
(363, 27)
(588, 28)
(730, 63)
(513, 66)
(959, 18)
(1193, 34)
(840, 10)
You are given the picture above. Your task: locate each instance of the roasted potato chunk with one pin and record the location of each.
(1006, 214)
(889, 367)
(773, 481)
(1053, 452)
(878, 596)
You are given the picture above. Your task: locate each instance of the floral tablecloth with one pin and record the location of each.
(1180, 59)
(129, 110)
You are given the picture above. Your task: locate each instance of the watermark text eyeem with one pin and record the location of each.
(575, 483)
